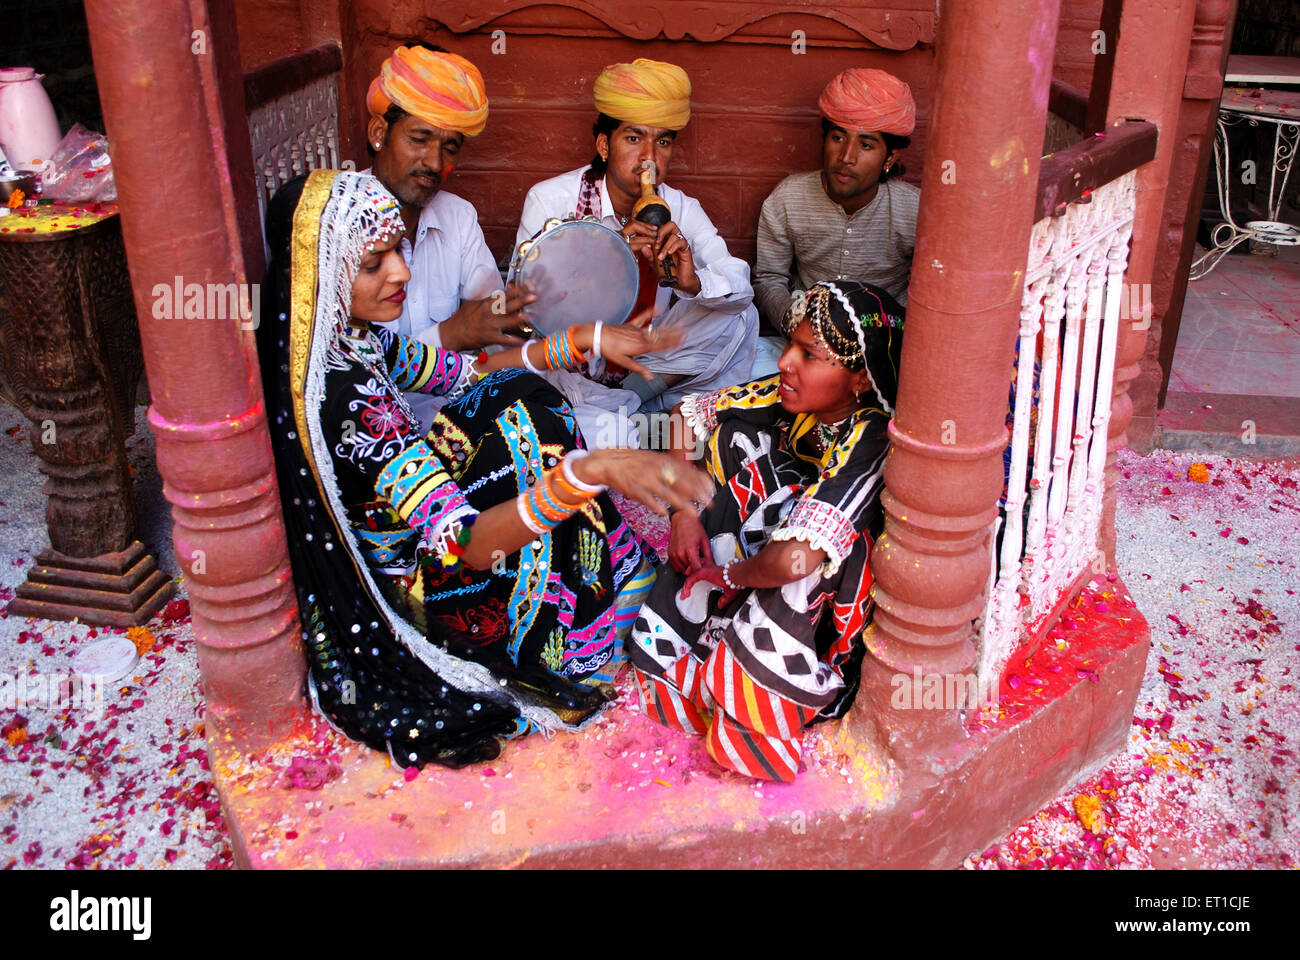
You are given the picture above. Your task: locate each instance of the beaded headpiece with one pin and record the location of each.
(360, 213)
(858, 324)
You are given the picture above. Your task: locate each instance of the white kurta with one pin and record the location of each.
(720, 322)
(449, 263)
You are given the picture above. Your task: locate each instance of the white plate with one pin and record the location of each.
(111, 659)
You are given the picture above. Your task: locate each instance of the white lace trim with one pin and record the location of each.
(695, 419)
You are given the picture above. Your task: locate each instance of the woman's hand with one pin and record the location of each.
(711, 574)
(622, 343)
(647, 477)
(688, 544)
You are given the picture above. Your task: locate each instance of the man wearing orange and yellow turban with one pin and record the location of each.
(423, 104)
(855, 218)
(641, 106)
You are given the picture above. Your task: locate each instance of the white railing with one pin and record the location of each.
(293, 134)
(1069, 326)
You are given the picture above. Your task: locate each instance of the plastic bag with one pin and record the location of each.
(80, 169)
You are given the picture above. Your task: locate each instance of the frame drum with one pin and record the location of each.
(582, 272)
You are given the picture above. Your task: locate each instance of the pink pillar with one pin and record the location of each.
(172, 93)
(944, 472)
(1150, 67)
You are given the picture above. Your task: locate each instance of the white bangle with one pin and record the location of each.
(595, 340)
(528, 364)
(566, 464)
(521, 507)
(726, 576)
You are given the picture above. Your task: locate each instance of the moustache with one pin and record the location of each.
(432, 175)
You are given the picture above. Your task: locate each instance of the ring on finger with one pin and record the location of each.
(669, 475)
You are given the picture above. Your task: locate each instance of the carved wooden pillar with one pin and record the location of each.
(1150, 67)
(944, 471)
(1206, 61)
(172, 92)
(72, 357)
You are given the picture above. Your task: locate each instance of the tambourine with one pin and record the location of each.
(580, 270)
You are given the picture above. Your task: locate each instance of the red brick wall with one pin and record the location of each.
(754, 116)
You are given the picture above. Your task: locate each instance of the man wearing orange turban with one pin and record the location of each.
(640, 108)
(423, 104)
(855, 218)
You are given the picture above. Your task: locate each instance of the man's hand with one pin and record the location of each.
(481, 323)
(671, 245)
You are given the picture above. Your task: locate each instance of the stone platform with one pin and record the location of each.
(626, 792)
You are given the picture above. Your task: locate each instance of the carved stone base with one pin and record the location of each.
(122, 589)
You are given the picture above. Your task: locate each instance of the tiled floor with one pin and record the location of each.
(1240, 332)
(1235, 383)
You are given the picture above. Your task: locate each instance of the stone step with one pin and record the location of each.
(627, 792)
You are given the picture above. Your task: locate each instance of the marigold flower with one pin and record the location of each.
(1088, 809)
(143, 639)
(1198, 472)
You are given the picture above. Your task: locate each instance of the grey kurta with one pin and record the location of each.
(805, 237)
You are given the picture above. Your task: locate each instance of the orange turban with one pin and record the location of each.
(440, 88)
(645, 91)
(869, 100)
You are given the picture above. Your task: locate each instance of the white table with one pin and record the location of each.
(1255, 106)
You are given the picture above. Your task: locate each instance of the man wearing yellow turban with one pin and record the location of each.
(855, 218)
(641, 106)
(423, 105)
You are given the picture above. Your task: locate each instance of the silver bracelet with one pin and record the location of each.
(726, 576)
(528, 364)
(566, 464)
(595, 340)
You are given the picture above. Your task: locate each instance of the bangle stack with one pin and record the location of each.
(562, 352)
(556, 496)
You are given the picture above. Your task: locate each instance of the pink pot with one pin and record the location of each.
(29, 130)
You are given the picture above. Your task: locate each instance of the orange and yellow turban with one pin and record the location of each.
(869, 101)
(645, 91)
(440, 88)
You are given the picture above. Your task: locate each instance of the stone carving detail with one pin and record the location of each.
(294, 134)
(898, 26)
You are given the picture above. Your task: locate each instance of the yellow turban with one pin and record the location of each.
(440, 88)
(645, 91)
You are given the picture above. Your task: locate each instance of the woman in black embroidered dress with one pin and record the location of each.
(463, 587)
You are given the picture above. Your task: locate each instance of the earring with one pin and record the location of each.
(377, 147)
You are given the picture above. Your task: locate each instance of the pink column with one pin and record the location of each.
(1150, 67)
(944, 472)
(171, 88)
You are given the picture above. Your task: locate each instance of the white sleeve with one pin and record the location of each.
(479, 276)
(724, 279)
(533, 216)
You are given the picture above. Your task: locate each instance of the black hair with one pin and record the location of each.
(607, 125)
(395, 113)
(892, 142)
